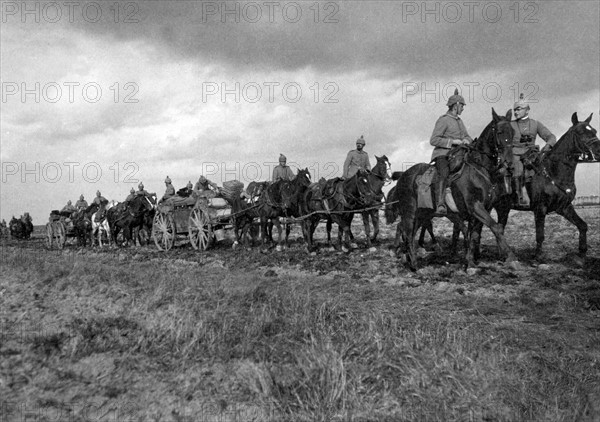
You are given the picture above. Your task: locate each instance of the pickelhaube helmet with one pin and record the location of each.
(98, 193)
(132, 190)
(282, 157)
(81, 197)
(521, 103)
(361, 140)
(202, 179)
(456, 98)
(168, 180)
(189, 185)
(141, 186)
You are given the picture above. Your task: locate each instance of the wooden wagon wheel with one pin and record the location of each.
(49, 235)
(163, 231)
(199, 229)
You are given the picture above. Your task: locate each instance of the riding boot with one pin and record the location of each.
(440, 200)
(521, 193)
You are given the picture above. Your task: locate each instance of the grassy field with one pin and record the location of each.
(237, 335)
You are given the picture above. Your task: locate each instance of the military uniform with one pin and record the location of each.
(69, 208)
(204, 184)
(526, 132)
(81, 204)
(283, 173)
(169, 191)
(356, 160)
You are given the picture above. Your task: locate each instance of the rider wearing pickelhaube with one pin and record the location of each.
(449, 130)
(282, 171)
(526, 131)
(169, 191)
(142, 192)
(131, 195)
(357, 159)
(81, 204)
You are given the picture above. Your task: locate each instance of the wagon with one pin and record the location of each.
(58, 228)
(202, 220)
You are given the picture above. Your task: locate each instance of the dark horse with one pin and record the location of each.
(127, 216)
(21, 228)
(552, 188)
(82, 224)
(381, 171)
(281, 199)
(340, 199)
(244, 213)
(474, 189)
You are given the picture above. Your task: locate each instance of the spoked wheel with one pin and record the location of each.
(60, 234)
(199, 229)
(163, 231)
(49, 235)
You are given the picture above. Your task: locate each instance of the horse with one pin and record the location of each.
(378, 176)
(21, 228)
(281, 199)
(128, 215)
(338, 199)
(474, 189)
(100, 224)
(552, 188)
(245, 212)
(82, 226)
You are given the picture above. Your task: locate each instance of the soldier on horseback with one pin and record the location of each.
(81, 204)
(356, 159)
(526, 131)
(99, 199)
(142, 192)
(449, 130)
(282, 171)
(131, 195)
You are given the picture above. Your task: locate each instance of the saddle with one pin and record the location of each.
(425, 193)
(325, 189)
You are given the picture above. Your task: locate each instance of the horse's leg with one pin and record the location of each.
(503, 210)
(280, 237)
(484, 217)
(329, 226)
(571, 215)
(365, 218)
(375, 220)
(409, 229)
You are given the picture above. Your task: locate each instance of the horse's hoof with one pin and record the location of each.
(515, 265)
(354, 245)
(279, 248)
(472, 271)
(421, 253)
(345, 249)
(372, 249)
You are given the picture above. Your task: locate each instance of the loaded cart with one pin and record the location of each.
(202, 217)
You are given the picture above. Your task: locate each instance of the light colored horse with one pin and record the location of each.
(102, 226)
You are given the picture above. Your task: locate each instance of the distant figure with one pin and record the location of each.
(187, 191)
(131, 195)
(203, 184)
(69, 207)
(169, 191)
(81, 204)
(99, 199)
(142, 192)
(282, 171)
(357, 159)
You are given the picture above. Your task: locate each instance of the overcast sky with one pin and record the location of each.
(149, 89)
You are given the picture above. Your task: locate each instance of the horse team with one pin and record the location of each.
(477, 182)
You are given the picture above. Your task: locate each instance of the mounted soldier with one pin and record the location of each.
(449, 130)
(142, 192)
(356, 159)
(526, 131)
(81, 204)
(131, 195)
(282, 171)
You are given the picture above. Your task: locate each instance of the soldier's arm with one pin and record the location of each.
(291, 174)
(437, 137)
(545, 134)
(368, 163)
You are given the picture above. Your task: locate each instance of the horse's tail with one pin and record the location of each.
(391, 207)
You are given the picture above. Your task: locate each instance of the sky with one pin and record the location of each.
(104, 95)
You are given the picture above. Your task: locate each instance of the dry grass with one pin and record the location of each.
(228, 337)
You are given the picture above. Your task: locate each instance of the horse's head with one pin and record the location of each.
(495, 143)
(585, 140)
(364, 187)
(383, 168)
(303, 177)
